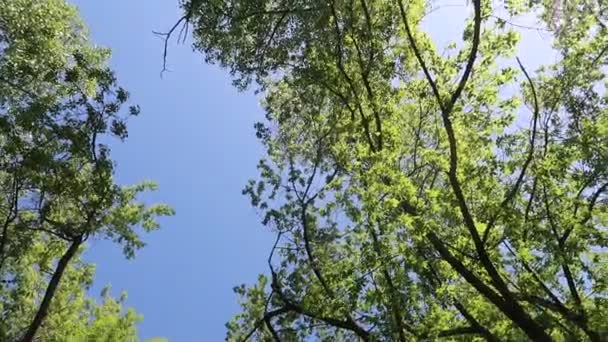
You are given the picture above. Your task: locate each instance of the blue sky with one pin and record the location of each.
(195, 138)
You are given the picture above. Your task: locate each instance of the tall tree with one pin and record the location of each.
(58, 102)
(408, 201)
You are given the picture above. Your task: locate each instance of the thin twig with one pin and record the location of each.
(166, 36)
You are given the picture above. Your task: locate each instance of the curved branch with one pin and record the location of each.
(591, 205)
(401, 325)
(509, 306)
(447, 122)
(511, 194)
(340, 65)
(267, 316)
(166, 36)
(273, 332)
(347, 324)
(475, 328)
(418, 55)
(472, 56)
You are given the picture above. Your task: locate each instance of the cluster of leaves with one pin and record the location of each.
(58, 101)
(408, 201)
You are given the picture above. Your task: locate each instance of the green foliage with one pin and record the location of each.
(409, 197)
(74, 316)
(58, 102)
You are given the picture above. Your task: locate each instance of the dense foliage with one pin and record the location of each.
(422, 192)
(58, 102)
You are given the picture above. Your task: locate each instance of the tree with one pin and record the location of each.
(73, 316)
(407, 200)
(58, 102)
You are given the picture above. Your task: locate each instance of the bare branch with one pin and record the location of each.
(166, 36)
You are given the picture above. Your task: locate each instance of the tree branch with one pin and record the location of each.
(292, 306)
(511, 194)
(340, 66)
(166, 36)
(509, 307)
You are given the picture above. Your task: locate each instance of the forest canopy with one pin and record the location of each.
(416, 191)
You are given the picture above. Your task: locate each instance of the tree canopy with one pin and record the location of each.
(417, 191)
(422, 192)
(59, 105)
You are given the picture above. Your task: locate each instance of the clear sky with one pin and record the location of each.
(195, 138)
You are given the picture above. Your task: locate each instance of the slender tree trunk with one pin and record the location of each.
(11, 216)
(50, 290)
(3, 241)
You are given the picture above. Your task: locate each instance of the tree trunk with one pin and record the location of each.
(50, 290)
